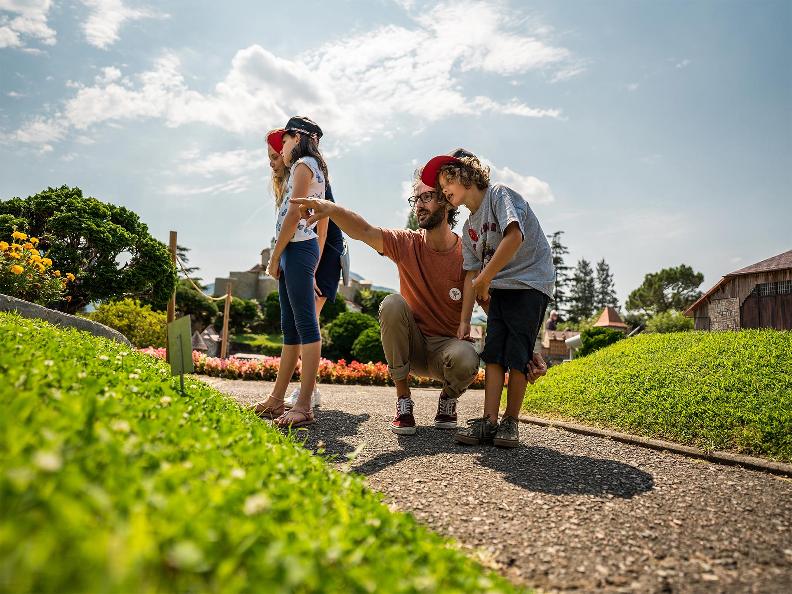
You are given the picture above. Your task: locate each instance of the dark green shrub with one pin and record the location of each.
(142, 326)
(368, 346)
(244, 314)
(190, 302)
(369, 301)
(345, 330)
(593, 339)
(271, 312)
(333, 309)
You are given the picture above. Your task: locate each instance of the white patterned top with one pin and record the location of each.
(315, 190)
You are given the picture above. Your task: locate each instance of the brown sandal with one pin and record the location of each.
(307, 418)
(268, 411)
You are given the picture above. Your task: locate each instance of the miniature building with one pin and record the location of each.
(198, 343)
(757, 296)
(554, 347)
(610, 318)
(211, 340)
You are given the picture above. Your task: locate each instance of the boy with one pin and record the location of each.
(509, 268)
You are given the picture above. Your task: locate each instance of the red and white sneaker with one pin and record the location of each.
(446, 417)
(404, 421)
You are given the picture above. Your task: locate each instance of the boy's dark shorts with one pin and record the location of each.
(513, 322)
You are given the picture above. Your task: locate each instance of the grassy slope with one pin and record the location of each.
(717, 390)
(110, 481)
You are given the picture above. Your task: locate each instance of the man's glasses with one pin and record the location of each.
(424, 198)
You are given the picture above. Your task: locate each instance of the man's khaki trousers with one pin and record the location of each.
(448, 359)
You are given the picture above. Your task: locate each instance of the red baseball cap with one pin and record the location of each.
(275, 139)
(432, 167)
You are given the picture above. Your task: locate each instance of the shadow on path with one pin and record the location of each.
(534, 468)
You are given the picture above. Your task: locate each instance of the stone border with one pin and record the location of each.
(31, 310)
(718, 457)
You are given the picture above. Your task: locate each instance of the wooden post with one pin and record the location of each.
(172, 302)
(226, 314)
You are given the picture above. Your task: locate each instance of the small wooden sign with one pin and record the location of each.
(180, 346)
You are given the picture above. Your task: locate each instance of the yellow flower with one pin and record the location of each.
(40, 267)
(14, 255)
(28, 246)
(46, 262)
(3, 246)
(16, 246)
(70, 276)
(34, 240)
(56, 273)
(36, 258)
(17, 269)
(35, 252)
(18, 235)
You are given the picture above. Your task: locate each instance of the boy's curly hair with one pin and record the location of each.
(470, 172)
(453, 213)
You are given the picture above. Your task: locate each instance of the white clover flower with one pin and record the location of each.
(48, 461)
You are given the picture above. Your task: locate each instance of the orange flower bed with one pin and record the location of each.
(330, 372)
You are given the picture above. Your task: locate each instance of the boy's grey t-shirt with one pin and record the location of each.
(532, 265)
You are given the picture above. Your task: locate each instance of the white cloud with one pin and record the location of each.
(106, 17)
(22, 19)
(233, 186)
(683, 64)
(633, 86)
(533, 189)
(380, 82)
(234, 163)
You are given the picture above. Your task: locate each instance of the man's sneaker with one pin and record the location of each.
(446, 417)
(508, 435)
(404, 422)
(478, 432)
(291, 399)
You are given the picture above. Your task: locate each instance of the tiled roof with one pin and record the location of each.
(610, 318)
(779, 262)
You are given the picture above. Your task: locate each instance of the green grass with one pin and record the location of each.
(111, 481)
(715, 390)
(265, 344)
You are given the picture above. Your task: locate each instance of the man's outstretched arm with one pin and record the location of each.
(350, 222)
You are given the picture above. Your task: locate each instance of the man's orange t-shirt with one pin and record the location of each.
(431, 282)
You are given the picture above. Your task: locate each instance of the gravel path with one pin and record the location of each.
(565, 512)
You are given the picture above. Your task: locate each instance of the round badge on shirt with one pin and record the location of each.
(455, 294)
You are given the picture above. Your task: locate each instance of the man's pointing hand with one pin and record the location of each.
(313, 209)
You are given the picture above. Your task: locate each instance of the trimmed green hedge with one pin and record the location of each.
(716, 390)
(111, 481)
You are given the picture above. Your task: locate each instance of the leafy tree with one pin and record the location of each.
(606, 291)
(108, 248)
(412, 221)
(671, 288)
(333, 309)
(242, 316)
(369, 301)
(594, 339)
(271, 312)
(345, 330)
(558, 251)
(368, 346)
(190, 302)
(669, 321)
(583, 295)
(139, 323)
(182, 254)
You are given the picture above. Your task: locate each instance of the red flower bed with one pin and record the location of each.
(340, 372)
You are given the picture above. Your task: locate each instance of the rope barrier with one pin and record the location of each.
(196, 287)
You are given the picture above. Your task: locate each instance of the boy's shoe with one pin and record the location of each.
(446, 417)
(404, 422)
(291, 399)
(508, 434)
(478, 432)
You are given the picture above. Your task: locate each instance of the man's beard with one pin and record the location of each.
(433, 220)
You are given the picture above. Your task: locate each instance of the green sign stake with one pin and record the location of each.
(180, 348)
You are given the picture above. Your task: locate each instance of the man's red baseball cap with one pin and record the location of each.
(432, 167)
(275, 139)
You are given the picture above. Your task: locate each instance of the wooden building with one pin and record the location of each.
(757, 296)
(554, 348)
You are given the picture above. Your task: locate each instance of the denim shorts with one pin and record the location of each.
(513, 322)
(296, 292)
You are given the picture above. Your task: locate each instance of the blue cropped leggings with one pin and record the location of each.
(296, 292)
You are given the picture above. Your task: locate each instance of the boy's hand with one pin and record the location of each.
(536, 368)
(313, 209)
(463, 332)
(481, 287)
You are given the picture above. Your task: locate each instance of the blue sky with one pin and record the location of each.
(652, 133)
